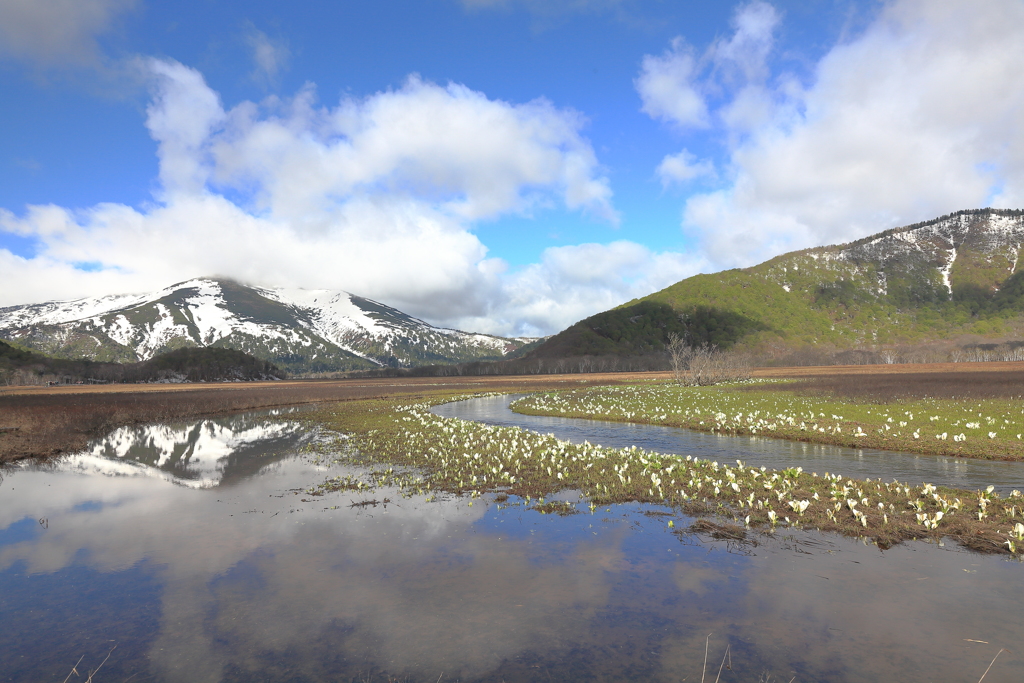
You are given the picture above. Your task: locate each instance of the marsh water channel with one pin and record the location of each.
(756, 451)
(190, 552)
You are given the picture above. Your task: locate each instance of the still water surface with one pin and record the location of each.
(194, 550)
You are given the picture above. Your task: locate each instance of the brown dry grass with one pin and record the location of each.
(885, 383)
(46, 421)
(957, 369)
(886, 388)
(43, 421)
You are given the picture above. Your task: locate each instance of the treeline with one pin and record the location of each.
(653, 362)
(202, 365)
(22, 366)
(644, 329)
(895, 355)
(728, 362)
(633, 338)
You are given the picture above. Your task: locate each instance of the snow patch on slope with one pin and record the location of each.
(209, 314)
(947, 269)
(57, 312)
(334, 313)
(120, 330)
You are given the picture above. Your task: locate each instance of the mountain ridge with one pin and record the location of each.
(299, 330)
(958, 274)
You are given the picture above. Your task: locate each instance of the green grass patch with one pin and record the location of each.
(991, 429)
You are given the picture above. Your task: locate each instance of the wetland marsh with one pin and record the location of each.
(374, 540)
(755, 450)
(964, 426)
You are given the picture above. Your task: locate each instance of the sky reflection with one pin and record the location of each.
(258, 580)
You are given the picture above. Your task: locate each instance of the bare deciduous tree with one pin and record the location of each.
(680, 351)
(890, 357)
(705, 364)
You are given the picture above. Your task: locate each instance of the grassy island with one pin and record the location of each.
(401, 443)
(986, 428)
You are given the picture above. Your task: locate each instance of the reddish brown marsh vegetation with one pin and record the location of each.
(41, 421)
(885, 383)
(38, 421)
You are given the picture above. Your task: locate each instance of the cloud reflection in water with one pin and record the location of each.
(258, 583)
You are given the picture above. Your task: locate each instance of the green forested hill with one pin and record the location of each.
(958, 274)
(644, 327)
(19, 365)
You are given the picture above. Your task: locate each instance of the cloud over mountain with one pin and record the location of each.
(377, 195)
(916, 115)
(784, 137)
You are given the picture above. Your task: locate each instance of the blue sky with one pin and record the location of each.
(507, 166)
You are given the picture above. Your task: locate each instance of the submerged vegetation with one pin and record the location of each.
(401, 443)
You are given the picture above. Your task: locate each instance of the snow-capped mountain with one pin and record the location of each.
(299, 330)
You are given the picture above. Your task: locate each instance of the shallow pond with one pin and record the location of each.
(752, 450)
(193, 550)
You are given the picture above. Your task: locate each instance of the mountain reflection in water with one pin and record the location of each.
(260, 581)
(198, 454)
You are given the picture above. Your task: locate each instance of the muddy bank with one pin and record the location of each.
(48, 421)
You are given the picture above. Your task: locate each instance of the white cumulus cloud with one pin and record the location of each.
(918, 115)
(573, 282)
(181, 118)
(470, 156)
(376, 195)
(683, 167)
(668, 88)
(743, 57)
